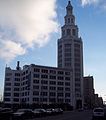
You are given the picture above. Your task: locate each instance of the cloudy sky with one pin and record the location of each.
(29, 30)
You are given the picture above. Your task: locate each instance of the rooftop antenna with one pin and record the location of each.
(18, 65)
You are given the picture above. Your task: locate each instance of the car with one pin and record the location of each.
(50, 111)
(5, 113)
(81, 109)
(58, 110)
(39, 112)
(98, 113)
(23, 114)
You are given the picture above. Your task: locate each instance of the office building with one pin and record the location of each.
(70, 52)
(44, 84)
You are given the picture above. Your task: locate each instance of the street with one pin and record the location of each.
(70, 115)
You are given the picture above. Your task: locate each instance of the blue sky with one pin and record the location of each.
(35, 40)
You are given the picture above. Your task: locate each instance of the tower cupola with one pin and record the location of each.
(69, 8)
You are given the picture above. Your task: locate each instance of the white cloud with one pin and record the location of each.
(85, 2)
(25, 23)
(98, 3)
(10, 49)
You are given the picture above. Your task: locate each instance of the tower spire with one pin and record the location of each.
(69, 8)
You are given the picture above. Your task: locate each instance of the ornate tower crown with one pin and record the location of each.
(69, 8)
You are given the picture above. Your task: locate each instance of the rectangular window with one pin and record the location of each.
(44, 71)
(44, 82)
(52, 88)
(60, 83)
(16, 84)
(52, 77)
(74, 32)
(60, 88)
(35, 81)
(36, 70)
(52, 82)
(53, 71)
(16, 94)
(44, 76)
(36, 93)
(44, 87)
(67, 83)
(36, 75)
(60, 78)
(17, 74)
(52, 94)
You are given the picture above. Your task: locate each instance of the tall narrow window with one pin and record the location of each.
(74, 32)
(68, 32)
(68, 20)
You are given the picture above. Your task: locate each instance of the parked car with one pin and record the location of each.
(5, 113)
(50, 111)
(98, 113)
(58, 110)
(23, 114)
(39, 112)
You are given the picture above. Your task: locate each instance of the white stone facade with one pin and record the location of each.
(70, 53)
(38, 84)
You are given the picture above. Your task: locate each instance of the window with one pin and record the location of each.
(52, 94)
(7, 99)
(7, 84)
(8, 89)
(68, 20)
(44, 87)
(67, 73)
(17, 79)
(67, 78)
(36, 70)
(68, 32)
(52, 77)
(16, 94)
(53, 71)
(35, 87)
(67, 83)
(7, 79)
(7, 94)
(16, 84)
(44, 82)
(53, 82)
(44, 93)
(67, 89)
(60, 88)
(72, 20)
(74, 32)
(60, 83)
(67, 95)
(44, 76)
(16, 100)
(16, 89)
(44, 71)
(36, 99)
(60, 94)
(35, 81)
(60, 78)
(17, 74)
(36, 75)
(60, 72)
(63, 32)
(36, 93)
(52, 88)
(8, 74)
(67, 100)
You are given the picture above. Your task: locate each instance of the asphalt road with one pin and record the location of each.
(70, 115)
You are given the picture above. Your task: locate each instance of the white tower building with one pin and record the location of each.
(70, 53)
